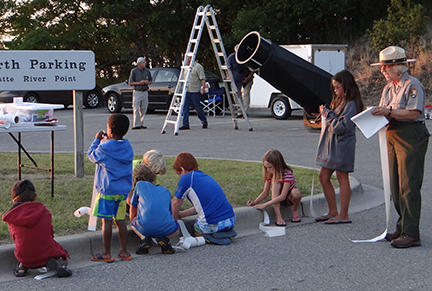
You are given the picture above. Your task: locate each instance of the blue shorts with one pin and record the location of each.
(110, 206)
(205, 228)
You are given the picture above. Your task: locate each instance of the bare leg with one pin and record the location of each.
(295, 198)
(106, 237)
(329, 192)
(344, 196)
(139, 234)
(122, 233)
(276, 190)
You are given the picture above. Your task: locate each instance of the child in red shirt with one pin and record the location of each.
(30, 226)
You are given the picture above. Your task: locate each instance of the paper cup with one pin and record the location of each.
(18, 100)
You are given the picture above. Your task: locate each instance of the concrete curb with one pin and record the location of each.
(81, 246)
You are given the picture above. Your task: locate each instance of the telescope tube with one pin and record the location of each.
(305, 83)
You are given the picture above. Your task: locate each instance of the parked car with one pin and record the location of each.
(161, 91)
(91, 98)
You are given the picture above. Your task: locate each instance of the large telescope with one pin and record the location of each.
(305, 83)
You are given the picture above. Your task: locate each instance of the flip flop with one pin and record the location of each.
(336, 221)
(280, 223)
(322, 218)
(98, 258)
(127, 258)
(296, 219)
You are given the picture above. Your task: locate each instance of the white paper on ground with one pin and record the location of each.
(187, 241)
(386, 183)
(369, 124)
(270, 231)
(312, 211)
(46, 275)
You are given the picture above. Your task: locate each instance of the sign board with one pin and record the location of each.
(47, 70)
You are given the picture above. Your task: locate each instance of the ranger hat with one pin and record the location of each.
(392, 55)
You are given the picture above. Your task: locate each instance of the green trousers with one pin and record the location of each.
(407, 145)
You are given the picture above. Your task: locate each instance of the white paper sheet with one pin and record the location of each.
(386, 183)
(93, 219)
(270, 231)
(312, 210)
(187, 241)
(369, 124)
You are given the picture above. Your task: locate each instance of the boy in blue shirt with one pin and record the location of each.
(150, 211)
(113, 156)
(215, 213)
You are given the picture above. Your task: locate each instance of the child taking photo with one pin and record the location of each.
(280, 178)
(113, 155)
(336, 146)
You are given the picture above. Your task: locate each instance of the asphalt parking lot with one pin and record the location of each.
(312, 256)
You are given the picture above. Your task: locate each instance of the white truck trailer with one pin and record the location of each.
(329, 57)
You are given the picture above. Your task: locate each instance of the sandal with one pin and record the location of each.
(128, 257)
(20, 270)
(280, 223)
(98, 258)
(322, 218)
(296, 219)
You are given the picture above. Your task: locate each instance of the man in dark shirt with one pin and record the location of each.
(243, 77)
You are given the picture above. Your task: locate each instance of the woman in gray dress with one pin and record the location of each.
(336, 146)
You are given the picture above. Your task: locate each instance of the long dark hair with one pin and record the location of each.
(275, 158)
(351, 92)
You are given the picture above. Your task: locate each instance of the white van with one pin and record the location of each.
(329, 57)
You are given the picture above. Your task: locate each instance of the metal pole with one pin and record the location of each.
(78, 133)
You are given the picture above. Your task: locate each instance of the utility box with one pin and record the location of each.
(329, 57)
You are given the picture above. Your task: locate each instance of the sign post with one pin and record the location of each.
(52, 70)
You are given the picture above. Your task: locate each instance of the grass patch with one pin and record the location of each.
(240, 181)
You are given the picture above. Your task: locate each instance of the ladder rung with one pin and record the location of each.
(205, 16)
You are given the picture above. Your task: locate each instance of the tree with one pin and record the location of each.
(308, 21)
(403, 26)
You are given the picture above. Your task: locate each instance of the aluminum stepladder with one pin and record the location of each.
(204, 16)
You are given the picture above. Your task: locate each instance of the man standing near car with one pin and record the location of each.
(194, 91)
(140, 78)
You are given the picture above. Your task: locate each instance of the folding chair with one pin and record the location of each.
(215, 101)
